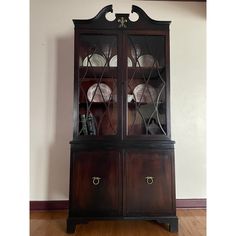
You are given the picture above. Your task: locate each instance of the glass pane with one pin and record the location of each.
(146, 85)
(98, 85)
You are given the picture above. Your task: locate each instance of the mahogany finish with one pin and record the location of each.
(99, 196)
(154, 198)
(122, 166)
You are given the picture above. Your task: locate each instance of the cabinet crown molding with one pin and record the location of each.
(121, 21)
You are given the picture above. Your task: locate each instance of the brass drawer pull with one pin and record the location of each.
(149, 179)
(96, 180)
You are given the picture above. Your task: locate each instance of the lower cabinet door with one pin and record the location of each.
(149, 183)
(95, 183)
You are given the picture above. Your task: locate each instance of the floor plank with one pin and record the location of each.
(192, 222)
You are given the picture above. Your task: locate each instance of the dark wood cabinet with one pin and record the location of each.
(122, 155)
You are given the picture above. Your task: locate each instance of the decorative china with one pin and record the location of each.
(144, 93)
(113, 62)
(130, 97)
(153, 127)
(146, 60)
(95, 60)
(80, 61)
(99, 92)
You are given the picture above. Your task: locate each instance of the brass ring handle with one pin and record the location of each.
(149, 179)
(96, 180)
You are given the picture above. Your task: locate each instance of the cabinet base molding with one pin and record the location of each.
(63, 205)
(170, 221)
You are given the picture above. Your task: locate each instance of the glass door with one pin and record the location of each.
(146, 94)
(97, 80)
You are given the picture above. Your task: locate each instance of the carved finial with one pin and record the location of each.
(122, 22)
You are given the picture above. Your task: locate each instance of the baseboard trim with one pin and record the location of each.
(63, 205)
(191, 203)
(48, 205)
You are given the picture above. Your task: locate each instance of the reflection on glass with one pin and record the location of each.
(146, 86)
(98, 86)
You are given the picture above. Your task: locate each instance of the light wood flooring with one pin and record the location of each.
(192, 222)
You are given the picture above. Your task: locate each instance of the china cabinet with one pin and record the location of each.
(122, 155)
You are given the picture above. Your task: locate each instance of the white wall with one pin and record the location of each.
(52, 90)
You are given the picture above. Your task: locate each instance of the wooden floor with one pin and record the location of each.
(192, 222)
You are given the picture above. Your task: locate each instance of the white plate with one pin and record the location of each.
(113, 62)
(144, 93)
(94, 60)
(146, 60)
(102, 93)
(80, 61)
(136, 52)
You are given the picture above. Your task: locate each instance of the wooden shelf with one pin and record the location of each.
(98, 72)
(111, 72)
(145, 72)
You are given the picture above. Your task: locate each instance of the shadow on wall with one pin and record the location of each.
(197, 9)
(59, 156)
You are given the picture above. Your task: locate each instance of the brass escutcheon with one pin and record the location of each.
(96, 180)
(149, 179)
